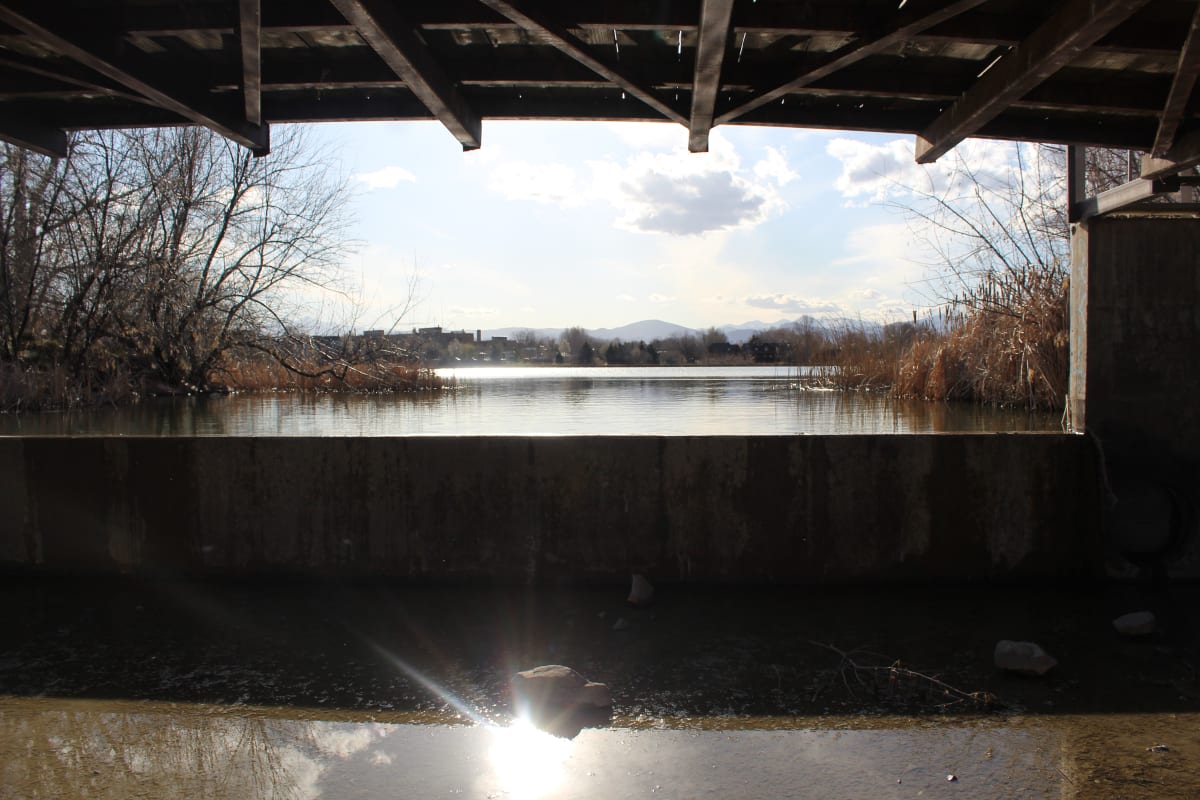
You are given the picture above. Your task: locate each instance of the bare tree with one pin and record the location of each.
(161, 252)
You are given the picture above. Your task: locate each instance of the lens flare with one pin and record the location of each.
(528, 763)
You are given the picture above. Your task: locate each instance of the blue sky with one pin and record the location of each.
(553, 224)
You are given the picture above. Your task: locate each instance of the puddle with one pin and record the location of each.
(172, 688)
(98, 749)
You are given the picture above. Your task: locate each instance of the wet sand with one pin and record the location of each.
(112, 688)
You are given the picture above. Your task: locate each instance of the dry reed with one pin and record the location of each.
(1005, 354)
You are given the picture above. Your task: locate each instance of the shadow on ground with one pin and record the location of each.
(695, 653)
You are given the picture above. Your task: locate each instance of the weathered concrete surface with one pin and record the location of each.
(1135, 377)
(843, 508)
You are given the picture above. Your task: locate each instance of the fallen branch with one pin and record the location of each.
(895, 672)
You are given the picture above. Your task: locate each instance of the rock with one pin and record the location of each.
(621, 625)
(557, 687)
(642, 591)
(1139, 623)
(1026, 658)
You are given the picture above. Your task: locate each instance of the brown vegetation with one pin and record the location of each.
(1017, 357)
(999, 246)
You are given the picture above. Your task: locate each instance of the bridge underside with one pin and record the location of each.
(1115, 73)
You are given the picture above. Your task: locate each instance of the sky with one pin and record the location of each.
(558, 224)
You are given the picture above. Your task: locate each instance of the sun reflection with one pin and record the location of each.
(528, 762)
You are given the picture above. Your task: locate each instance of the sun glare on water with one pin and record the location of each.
(528, 763)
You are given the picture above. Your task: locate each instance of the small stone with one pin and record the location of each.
(951, 778)
(641, 592)
(556, 686)
(1025, 658)
(1139, 623)
(1158, 748)
(621, 625)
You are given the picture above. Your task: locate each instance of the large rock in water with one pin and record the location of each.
(557, 687)
(1026, 658)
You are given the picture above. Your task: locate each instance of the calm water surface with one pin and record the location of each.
(553, 401)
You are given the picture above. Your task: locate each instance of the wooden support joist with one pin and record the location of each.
(1076, 26)
(711, 46)
(1183, 154)
(565, 42)
(1123, 196)
(38, 138)
(396, 41)
(35, 21)
(64, 73)
(1186, 72)
(250, 36)
(910, 24)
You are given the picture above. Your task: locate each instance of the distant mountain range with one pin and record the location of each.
(648, 330)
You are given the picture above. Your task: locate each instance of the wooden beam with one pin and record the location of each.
(199, 110)
(397, 42)
(66, 73)
(250, 36)
(1184, 81)
(565, 42)
(1183, 154)
(1123, 196)
(1076, 180)
(909, 25)
(1076, 26)
(40, 139)
(711, 46)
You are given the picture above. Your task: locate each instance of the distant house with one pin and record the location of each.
(724, 349)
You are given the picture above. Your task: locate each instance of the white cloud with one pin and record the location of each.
(791, 304)
(775, 167)
(661, 298)
(685, 194)
(543, 183)
(878, 172)
(387, 178)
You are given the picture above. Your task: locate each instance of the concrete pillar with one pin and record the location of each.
(1135, 375)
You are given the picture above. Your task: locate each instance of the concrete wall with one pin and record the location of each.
(805, 508)
(1136, 351)
(1135, 377)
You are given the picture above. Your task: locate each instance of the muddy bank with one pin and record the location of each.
(739, 652)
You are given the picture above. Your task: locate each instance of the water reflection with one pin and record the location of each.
(102, 749)
(548, 401)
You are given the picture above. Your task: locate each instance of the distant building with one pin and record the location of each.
(723, 349)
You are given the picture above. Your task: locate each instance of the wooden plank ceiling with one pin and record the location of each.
(1115, 73)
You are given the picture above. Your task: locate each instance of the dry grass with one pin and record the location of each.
(263, 374)
(990, 354)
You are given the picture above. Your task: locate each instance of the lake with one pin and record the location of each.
(549, 401)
